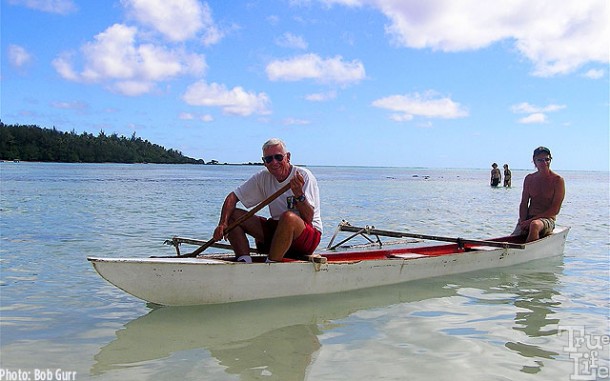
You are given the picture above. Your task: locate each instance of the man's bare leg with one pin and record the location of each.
(289, 227)
(238, 238)
(536, 227)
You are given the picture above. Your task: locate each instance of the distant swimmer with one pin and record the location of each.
(496, 176)
(507, 176)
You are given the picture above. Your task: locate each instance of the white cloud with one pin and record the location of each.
(177, 20)
(595, 74)
(188, 116)
(424, 124)
(78, 106)
(289, 40)
(63, 66)
(132, 88)
(212, 36)
(114, 58)
(537, 113)
(428, 105)
(311, 66)
(533, 118)
(235, 101)
(273, 19)
(401, 117)
(321, 97)
(526, 108)
(18, 56)
(62, 7)
(295, 122)
(351, 3)
(556, 39)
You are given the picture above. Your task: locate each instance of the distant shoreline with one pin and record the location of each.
(210, 164)
(116, 162)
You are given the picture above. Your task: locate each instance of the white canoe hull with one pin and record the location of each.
(197, 281)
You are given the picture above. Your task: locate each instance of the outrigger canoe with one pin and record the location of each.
(216, 278)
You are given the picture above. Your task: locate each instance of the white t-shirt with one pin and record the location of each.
(263, 184)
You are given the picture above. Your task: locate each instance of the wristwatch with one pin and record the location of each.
(301, 198)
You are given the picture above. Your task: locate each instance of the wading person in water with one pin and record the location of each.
(496, 177)
(507, 176)
(543, 193)
(295, 226)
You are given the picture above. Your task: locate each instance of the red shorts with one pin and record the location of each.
(305, 244)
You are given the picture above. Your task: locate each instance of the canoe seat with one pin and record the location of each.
(406, 256)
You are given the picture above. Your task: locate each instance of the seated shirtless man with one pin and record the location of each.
(543, 193)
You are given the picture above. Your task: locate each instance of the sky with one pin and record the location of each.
(392, 83)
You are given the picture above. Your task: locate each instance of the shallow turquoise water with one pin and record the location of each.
(512, 323)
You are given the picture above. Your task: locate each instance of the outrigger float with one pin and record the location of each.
(184, 280)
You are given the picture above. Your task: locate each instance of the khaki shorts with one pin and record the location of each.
(549, 226)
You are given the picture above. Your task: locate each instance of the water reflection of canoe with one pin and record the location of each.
(224, 329)
(287, 330)
(179, 281)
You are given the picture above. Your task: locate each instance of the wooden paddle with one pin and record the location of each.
(240, 220)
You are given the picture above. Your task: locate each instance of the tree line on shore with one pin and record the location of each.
(33, 143)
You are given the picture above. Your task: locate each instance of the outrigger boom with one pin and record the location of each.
(176, 241)
(370, 230)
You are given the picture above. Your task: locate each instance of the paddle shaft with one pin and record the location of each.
(388, 233)
(240, 220)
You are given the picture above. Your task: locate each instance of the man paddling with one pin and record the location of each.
(543, 193)
(295, 226)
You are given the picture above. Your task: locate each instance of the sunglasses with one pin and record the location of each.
(278, 157)
(547, 159)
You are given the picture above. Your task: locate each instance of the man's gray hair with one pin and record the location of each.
(274, 142)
